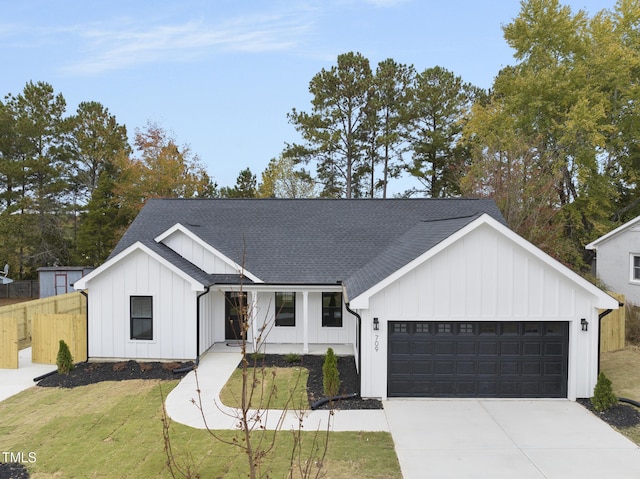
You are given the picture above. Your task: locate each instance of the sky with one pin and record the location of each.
(221, 75)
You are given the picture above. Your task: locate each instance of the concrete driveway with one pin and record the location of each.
(496, 439)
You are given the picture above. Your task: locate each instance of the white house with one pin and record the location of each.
(617, 260)
(437, 297)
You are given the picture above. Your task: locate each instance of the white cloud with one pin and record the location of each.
(108, 49)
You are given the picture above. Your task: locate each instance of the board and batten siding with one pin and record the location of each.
(197, 254)
(174, 309)
(483, 276)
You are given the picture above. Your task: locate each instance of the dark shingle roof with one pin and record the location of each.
(309, 241)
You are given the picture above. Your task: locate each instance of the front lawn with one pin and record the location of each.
(623, 369)
(271, 388)
(113, 430)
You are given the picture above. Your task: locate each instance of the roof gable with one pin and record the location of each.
(604, 300)
(612, 234)
(196, 284)
(180, 230)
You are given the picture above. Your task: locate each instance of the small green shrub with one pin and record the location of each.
(64, 361)
(292, 358)
(603, 398)
(330, 374)
(255, 357)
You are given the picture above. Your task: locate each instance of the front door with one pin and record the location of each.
(235, 306)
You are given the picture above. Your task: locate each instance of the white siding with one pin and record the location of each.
(483, 276)
(614, 260)
(197, 254)
(174, 311)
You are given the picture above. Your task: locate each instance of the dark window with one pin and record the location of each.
(332, 310)
(285, 309)
(141, 317)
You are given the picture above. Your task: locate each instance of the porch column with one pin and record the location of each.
(305, 322)
(253, 312)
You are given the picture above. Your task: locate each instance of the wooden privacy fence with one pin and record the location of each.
(612, 327)
(49, 329)
(18, 319)
(8, 343)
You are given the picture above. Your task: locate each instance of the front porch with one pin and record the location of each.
(279, 348)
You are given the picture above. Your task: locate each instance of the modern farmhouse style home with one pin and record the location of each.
(437, 297)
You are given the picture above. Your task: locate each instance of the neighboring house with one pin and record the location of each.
(55, 280)
(438, 297)
(617, 260)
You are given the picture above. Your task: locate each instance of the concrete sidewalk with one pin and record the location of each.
(13, 381)
(506, 439)
(183, 403)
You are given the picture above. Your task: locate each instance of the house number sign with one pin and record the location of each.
(376, 343)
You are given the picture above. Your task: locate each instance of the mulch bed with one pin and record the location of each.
(13, 470)
(90, 373)
(619, 416)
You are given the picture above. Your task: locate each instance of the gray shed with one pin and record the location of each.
(56, 280)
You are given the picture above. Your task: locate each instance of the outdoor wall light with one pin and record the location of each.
(376, 324)
(585, 324)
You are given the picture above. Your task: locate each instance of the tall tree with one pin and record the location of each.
(392, 87)
(41, 181)
(245, 187)
(437, 112)
(335, 131)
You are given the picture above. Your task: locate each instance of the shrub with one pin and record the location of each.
(292, 358)
(603, 398)
(64, 361)
(330, 374)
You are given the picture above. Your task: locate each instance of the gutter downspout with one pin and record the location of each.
(359, 318)
(84, 293)
(197, 361)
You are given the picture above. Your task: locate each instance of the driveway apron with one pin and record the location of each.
(496, 439)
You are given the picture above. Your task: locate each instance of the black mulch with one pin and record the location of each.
(13, 470)
(90, 373)
(619, 416)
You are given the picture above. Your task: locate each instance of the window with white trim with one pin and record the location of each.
(141, 317)
(635, 268)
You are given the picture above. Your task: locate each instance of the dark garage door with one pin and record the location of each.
(478, 359)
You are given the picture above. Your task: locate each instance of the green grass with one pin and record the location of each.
(623, 369)
(274, 388)
(114, 430)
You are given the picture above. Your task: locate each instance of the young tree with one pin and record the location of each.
(335, 132)
(281, 179)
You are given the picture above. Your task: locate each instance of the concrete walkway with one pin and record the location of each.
(13, 381)
(507, 439)
(183, 403)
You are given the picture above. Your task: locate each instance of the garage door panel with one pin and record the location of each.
(494, 359)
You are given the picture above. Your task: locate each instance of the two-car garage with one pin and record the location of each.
(527, 359)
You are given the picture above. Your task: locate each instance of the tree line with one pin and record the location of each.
(554, 142)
